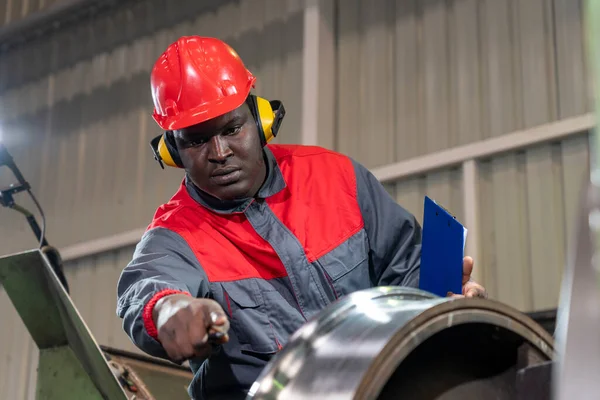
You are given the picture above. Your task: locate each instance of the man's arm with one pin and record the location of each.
(394, 234)
(162, 264)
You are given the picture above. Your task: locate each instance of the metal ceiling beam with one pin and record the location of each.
(52, 19)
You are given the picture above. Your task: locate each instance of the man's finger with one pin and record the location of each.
(473, 289)
(467, 269)
(219, 321)
(216, 325)
(198, 338)
(215, 318)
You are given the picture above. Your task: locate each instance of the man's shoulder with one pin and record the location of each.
(324, 167)
(306, 153)
(169, 210)
(175, 213)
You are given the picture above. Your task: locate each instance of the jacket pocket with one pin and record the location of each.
(249, 319)
(347, 266)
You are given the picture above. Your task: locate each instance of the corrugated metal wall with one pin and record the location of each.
(412, 77)
(15, 10)
(75, 109)
(419, 76)
(529, 202)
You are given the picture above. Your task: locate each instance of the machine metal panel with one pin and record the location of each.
(55, 325)
(61, 376)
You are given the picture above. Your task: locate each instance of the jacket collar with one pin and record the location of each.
(274, 183)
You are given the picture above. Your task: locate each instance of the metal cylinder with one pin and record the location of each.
(394, 342)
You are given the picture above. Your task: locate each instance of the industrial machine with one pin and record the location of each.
(394, 342)
(71, 363)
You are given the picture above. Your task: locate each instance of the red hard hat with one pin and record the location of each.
(196, 79)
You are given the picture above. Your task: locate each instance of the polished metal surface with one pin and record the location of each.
(356, 348)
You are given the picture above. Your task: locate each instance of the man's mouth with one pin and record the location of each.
(226, 175)
(224, 171)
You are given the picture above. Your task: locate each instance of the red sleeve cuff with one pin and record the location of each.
(149, 307)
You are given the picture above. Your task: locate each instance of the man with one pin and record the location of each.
(259, 238)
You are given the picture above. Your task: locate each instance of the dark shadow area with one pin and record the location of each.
(546, 318)
(48, 19)
(125, 95)
(471, 361)
(85, 38)
(103, 103)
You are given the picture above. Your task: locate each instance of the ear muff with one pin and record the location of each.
(165, 150)
(268, 116)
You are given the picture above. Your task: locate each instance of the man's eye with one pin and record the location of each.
(196, 142)
(233, 131)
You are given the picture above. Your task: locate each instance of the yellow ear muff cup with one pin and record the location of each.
(165, 153)
(267, 116)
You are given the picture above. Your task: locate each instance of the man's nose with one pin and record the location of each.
(219, 149)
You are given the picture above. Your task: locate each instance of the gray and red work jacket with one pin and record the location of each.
(320, 227)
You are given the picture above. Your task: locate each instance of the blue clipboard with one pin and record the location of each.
(442, 251)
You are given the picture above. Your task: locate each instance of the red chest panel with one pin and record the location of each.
(318, 205)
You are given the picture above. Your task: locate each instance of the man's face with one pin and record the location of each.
(223, 156)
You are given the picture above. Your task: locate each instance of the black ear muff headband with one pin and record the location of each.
(267, 114)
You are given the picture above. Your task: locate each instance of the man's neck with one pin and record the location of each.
(272, 183)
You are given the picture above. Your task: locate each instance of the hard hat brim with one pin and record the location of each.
(203, 113)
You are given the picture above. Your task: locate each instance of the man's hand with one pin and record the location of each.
(469, 288)
(184, 324)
